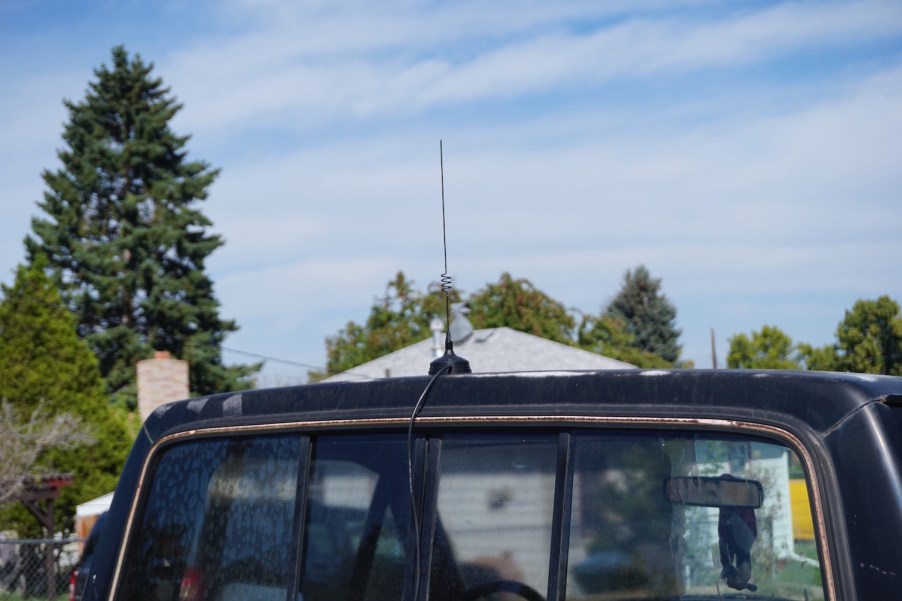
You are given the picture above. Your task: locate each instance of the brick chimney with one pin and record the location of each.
(161, 380)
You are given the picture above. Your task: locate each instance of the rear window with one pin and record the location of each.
(356, 519)
(494, 514)
(218, 522)
(539, 515)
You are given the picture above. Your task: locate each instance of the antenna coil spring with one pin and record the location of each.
(447, 283)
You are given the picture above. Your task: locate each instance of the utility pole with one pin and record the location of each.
(713, 351)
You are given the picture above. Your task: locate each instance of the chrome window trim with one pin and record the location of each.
(676, 423)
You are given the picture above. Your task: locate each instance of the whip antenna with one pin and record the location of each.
(449, 362)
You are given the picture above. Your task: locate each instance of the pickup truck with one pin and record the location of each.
(614, 485)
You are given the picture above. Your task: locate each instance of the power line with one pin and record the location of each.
(270, 358)
(63, 308)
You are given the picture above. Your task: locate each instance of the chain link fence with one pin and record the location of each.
(37, 568)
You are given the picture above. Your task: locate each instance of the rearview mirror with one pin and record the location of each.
(721, 491)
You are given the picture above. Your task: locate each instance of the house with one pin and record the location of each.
(487, 350)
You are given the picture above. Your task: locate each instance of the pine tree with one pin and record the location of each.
(648, 314)
(44, 366)
(124, 237)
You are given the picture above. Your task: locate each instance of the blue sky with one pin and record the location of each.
(748, 153)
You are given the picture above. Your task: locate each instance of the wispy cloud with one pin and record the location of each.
(746, 152)
(745, 208)
(313, 67)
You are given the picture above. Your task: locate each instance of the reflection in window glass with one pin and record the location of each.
(621, 524)
(356, 525)
(218, 522)
(495, 511)
(653, 515)
(664, 516)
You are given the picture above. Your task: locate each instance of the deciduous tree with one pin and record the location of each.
(768, 348)
(25, 440)
(608, 336)
(869, 338)
(397, 319)
(818, 358)
(124, 235)
(402, 317)
(517, 304)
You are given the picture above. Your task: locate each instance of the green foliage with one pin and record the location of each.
(124, 237)
(823, 358)
(43, 364)
(402, 317)
(608, 336)
(517, 304)
(869, 338)
(769, 348)
(398, 319)
(648, 314)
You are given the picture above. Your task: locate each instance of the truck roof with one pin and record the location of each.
(814, 401)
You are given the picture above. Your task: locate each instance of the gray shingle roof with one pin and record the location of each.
(489, 350)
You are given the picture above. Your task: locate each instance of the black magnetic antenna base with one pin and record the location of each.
(449, 363)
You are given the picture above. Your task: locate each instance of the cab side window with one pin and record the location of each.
(662, 516)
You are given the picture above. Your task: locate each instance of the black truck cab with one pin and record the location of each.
(613, 485)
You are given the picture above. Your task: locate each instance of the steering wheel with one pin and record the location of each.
(503, 586)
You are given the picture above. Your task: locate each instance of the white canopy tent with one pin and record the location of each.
(94, 506)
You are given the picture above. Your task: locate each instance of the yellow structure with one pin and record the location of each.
(802, 524)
